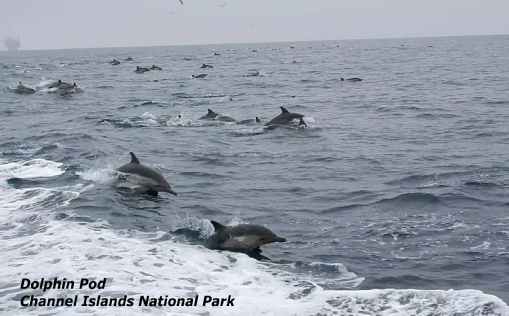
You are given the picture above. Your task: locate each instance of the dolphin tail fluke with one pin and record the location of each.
(284, 110)
(217, 226)
(134, 159)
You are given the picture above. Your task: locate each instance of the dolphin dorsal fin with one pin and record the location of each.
(134, 159)
(284, 110)
(210, 111)
(217, 226)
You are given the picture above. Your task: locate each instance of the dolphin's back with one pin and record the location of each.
(244, 237)
(284, 118)
(142, 171)
(247, 229)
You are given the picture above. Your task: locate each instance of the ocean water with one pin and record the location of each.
(394, 200)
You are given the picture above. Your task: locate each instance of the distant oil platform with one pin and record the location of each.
(12, 44)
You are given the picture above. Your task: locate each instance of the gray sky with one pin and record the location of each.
(44, 24)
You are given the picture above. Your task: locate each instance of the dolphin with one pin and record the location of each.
(141, 70)
(206, 66)
(211, 115)
(354, 79)
(66, 88)
(115, 62)
(147, 178)
(286, 118)
(253, 73)
(55, 84)
(22, 89)
(249, 121)
(199, 76)
(154, 67)
(245, 238)
(63, 88)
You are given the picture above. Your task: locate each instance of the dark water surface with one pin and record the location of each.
(400, 182)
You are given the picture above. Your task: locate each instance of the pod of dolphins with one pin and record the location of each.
(60, 87)
(245, 238)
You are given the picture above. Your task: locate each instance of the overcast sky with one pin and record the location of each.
(44, 24)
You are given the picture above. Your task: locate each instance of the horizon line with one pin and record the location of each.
(267, 42)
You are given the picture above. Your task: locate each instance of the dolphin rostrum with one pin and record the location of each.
(245, 238)
(286, 118)
(147, 179)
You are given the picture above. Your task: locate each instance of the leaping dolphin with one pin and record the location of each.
(286, 118)
(245, 238)
(147, 179)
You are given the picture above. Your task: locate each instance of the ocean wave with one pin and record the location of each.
(146, 119)
(18, 206)
(35, 168)
(182, 95)
(164, 267)
(446, 179)
(412, 197)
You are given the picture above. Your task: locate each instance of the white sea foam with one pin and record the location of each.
(34, 168)
(33, 198)
(138, 263)
(179, 120)
(44, 83)
(17, 206)
(99, 175)
(144, 264)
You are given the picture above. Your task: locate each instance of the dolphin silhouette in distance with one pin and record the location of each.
(286, 118)
(244, 238)
(354, 79)
(147, 179)
(199, 76)
(140, 70)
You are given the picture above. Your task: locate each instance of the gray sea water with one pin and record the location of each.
(394, 201)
